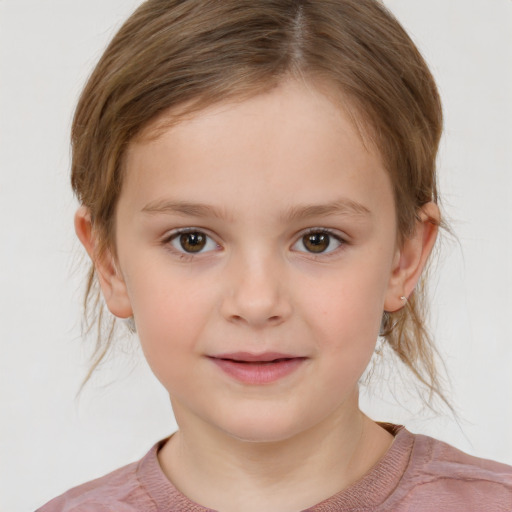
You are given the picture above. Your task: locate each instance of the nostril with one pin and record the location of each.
(273, 319)
(237, 319)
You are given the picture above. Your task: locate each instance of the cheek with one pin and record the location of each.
(170, 314)
(344, 315)
(345, 323)
(349, 301)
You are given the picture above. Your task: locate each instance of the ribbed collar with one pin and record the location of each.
(370, 491)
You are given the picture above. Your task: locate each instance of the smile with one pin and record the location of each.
(257, 368)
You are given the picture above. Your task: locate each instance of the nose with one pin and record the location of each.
(256, 292)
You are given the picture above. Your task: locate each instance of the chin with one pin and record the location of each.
(263, 429)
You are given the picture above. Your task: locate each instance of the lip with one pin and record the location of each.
(261, 368)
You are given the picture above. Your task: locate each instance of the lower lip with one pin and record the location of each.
(259, 373)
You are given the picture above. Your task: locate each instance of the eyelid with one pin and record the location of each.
(168, 238)
(334, 234)
(317, 230)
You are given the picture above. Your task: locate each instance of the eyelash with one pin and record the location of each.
(182, 255)
(318, 231)
(324, 231)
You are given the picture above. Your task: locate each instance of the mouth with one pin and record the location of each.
(258, 368)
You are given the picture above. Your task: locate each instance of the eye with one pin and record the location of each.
(191, 241)
(320, 241)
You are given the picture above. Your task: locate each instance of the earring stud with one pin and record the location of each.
(403, 298)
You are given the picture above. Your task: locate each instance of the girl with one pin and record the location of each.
(258, 198)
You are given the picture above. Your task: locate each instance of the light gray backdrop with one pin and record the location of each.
(49, 442)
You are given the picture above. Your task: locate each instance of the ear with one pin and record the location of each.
(111, 281)
(411, 258)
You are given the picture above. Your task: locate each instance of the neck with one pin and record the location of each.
(288, 475)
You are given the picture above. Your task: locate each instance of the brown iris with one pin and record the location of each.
(192, 242)
(316, 242)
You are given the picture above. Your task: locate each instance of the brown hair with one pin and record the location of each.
(194, 53)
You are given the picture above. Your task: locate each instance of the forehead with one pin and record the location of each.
(307, 84)
(293, 139)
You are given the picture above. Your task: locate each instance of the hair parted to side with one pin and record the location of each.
(193, 53)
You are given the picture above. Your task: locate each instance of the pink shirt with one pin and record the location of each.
(417, 474)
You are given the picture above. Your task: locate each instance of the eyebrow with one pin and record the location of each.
(185, 209)
(341, 206)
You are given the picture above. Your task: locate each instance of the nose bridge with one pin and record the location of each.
(256, 291)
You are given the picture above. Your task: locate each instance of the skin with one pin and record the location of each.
(256, 286)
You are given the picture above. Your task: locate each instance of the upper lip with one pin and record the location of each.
(255, 358)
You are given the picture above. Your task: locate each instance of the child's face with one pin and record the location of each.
(248, 180)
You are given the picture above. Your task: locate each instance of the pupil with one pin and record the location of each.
(318, 242)
(192, 242)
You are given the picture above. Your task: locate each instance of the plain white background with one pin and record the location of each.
(50, 442)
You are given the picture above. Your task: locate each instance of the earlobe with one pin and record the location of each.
(412, 257)
(110, 279)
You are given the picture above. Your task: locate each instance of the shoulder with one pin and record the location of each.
(119, 490)
(441, 477)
